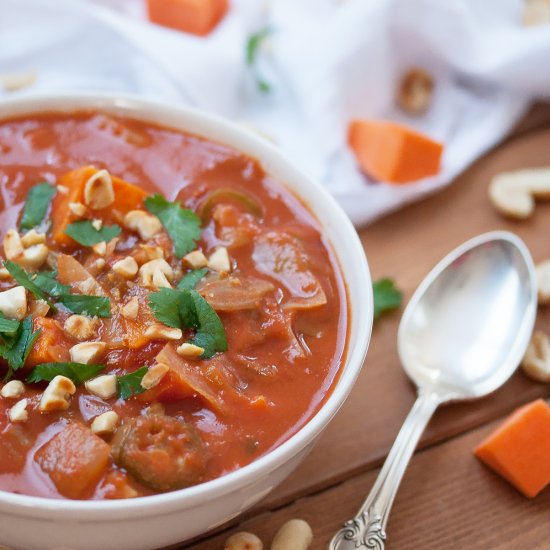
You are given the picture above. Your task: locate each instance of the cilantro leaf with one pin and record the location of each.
(253, 46)
(130, 384)
(386, 296)
(191, 279)
(77, 372)
(93, 306)
(187, 309)
(15, 348)
(36, 205)
(46, 281)
(84, 233)
(8, 326)
(23, 278)
(182, 224)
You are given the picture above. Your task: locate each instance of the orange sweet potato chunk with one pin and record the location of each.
(75, 459)
(51, 346)
(519, 450)
(393, 153)
(194, 16)
(127, 197)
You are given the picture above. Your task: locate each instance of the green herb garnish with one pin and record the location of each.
(130, 384)
(24, 279)
(190, 280)
(187, 309)
(36, 205)
(253, 46)
(386, 296)
(84, 233)
(47, 282)
(15, 347)
(182, 224)
(77, 372)
(93, 306)
(8, 326)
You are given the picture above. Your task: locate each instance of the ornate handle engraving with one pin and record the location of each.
(368, 529)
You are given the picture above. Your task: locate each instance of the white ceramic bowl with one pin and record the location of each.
(33, 523)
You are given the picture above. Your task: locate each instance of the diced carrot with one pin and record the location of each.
(75, 459)
(393, 153)
(52, 346)
(520, 449)
(127, 197)
(172, 387)
(193, 16)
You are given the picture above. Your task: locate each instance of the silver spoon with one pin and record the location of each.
(461, 336)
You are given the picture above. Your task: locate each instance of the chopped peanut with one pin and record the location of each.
(38, 308)
(130, 310)
(4, 274)
(536, 361)
(190, 350)
(219, 260)
(162, 332)
(13, 303)
(33, 237)
(127, 267)
(98, 191)
(154, 272)
(104, 386)
(62, 189)
(57, 394)
(30, 258)
(78, 209)
(100, 248)
(87, 352)
(243, 541)
(415, 91)
(295, 534)
(543, 282)
(13, 389)
(154, 375)
(105, 423)
(81, 327)
(97, 224)
(19, 413)
(145, 224)
(195, 259)
(152, 252)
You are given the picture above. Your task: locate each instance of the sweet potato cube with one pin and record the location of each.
(194, 16)
(75, 459)
(393, 153)
(51, 346)
(127, 197)
(519, 450)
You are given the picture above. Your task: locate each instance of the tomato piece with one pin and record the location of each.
(51, 346)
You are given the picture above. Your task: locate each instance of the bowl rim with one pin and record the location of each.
(221, 130)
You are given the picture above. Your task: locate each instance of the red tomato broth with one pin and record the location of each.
(187, 168)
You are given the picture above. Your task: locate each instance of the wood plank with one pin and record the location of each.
(447, 500)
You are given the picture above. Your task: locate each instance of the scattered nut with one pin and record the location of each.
(19, 413)
(159, 267)
(57, 394)
(97, 224)
(62, 189)
(295, 534)
(30, 258)
(12, 82)
(190, 350)
(81, 327)
(536, 12)
(152, 252)
(513, 194)
(536, 361)
(162, 332)
(100, 248)
(33, 237)
(105, 423)
(415, 91)
(130, 310)
(243, 541)
(98, 191)
(104, 386)
(87, 352)
(219, 260)
(13, 389)
(4, 274)
(154, 375)
(38, 308)
(542, 271)
(195, 259)
(127, 267)
(78, 209)
(13, 303)
(145, 224)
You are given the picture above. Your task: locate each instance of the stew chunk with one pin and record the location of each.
(75, 459)
(161, 451)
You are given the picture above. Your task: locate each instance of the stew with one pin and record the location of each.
(168, 312)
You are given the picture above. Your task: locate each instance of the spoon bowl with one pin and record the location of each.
(466, 327)
(461, 336)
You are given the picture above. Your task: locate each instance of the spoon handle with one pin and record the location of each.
(368, 528)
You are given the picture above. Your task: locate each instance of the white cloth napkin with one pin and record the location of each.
(327, 61)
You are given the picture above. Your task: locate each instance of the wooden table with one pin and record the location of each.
(448, 500)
